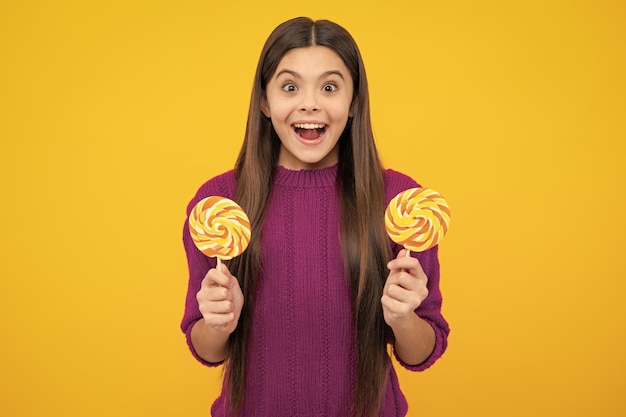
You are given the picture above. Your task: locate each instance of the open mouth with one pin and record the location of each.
(309, 131)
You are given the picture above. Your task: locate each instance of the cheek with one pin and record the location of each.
(279, 122)
(341, 109)
(340, 113)
(279, 112)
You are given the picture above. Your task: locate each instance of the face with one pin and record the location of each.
(308, 100)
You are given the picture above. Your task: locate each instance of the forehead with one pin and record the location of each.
(312, 60)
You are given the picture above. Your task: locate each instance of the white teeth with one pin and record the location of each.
(309, 126)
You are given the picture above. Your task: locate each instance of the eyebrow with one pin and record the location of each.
(296, 75)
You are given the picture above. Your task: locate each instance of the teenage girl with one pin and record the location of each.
(303, 318)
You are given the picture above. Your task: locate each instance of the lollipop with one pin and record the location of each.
(417, 218)
(219, 227)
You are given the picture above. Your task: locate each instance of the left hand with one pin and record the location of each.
(404, 290)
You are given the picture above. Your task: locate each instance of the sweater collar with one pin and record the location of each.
(306, 178)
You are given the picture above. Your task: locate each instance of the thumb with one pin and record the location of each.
(399, 262)
(232, 280)
(402, 254)
(221, 267)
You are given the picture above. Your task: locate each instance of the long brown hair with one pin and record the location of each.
(360, 186)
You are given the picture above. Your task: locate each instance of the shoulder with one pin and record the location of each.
(223, 185)
(396, 182)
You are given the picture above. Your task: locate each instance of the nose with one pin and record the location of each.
(309, 102)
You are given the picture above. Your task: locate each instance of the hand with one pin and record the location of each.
(404, 290)
(220, 299)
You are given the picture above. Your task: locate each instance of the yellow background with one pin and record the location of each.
(112, 113)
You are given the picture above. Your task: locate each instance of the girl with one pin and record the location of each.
(303, 318)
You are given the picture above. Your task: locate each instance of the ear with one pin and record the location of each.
(352, 107)
(265, 108)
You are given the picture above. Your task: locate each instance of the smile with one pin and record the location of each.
(309, 131)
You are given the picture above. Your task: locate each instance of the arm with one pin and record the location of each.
(210, 313)
(220, 301)
(210, 345)
(418, 340)
(207, 344)
(414, 340)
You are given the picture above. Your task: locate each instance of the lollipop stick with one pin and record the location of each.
(406, 255)
(219, 265)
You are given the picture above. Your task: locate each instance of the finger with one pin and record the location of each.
(394, 307)
(219, 320)
(221, 307)
(401, 294)
(402, 262)
(217, 278)
(409, 289)
(404, 279)
(393, 279)
(229, 281)
(232, 281)
(408, 264)
(411, 282)
(217, 294)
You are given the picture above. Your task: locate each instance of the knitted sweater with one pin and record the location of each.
(301, 358)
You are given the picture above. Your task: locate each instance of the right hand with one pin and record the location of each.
(220, 300)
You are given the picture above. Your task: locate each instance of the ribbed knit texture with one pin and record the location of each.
(301, 352)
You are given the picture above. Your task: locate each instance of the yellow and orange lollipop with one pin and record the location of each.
(417, 218)
(219, 227)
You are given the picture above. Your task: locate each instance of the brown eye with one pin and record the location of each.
(289, 87)
(329, 88)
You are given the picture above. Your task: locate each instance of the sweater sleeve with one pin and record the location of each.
(199, 264)
(430, 309)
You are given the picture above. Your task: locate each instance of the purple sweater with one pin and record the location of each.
(301, 357)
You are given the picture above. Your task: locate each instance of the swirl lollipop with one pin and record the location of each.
(219, 227)
(417, 218)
